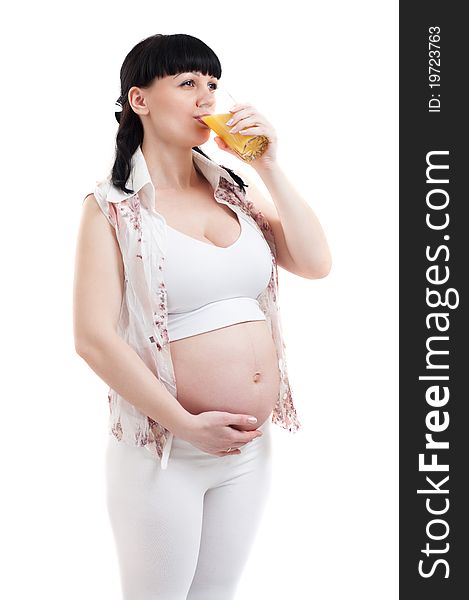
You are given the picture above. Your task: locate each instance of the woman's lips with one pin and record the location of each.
(201, 122)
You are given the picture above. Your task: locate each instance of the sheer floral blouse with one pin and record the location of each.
(141, 234)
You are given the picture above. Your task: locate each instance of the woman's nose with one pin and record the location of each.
(207, 100)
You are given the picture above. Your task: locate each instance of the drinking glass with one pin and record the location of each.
(247, 147)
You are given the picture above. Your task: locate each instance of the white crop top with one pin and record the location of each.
(209, 286)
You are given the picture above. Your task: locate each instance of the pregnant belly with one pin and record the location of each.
(232, 369)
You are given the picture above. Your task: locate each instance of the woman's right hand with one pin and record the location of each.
(213, 433)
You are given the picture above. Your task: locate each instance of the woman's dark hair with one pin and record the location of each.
(155, 57)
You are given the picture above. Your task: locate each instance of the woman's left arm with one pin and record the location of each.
(299, 238)
(301, 243)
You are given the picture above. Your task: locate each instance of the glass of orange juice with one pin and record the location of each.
(247, 147)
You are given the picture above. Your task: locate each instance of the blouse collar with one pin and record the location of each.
(140, 181)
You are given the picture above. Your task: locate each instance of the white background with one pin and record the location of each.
(325, 75)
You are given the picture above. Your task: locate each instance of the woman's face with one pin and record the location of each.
(172, 103)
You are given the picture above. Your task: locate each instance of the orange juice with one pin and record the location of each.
(247, 147)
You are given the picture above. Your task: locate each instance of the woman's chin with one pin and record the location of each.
(203, 137)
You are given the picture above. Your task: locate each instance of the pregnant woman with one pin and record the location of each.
(176, 309)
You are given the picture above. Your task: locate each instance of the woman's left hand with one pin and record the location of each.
(248, 121)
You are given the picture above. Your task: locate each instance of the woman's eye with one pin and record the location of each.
(215, 86)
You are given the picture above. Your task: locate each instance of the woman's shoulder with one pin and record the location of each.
(99, 197)
(242, 185)
(233, 176)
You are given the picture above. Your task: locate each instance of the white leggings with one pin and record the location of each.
(185, 532)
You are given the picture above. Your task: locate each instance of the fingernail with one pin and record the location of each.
(230, 122)
(252, 419)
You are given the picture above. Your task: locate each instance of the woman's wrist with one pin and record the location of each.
(183, 423)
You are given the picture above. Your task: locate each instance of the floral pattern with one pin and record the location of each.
(143, 321)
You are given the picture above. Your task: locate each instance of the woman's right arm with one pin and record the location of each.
(97, 296)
